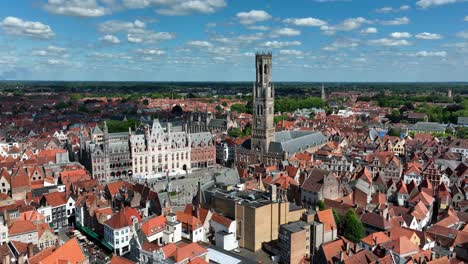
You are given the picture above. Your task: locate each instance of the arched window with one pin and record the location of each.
(265, 69)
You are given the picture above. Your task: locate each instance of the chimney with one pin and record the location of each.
(6, 258)
(30, 250)
(341, 256)
(347, 246)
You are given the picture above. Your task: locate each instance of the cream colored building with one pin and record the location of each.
(399, 148)
(159, 149)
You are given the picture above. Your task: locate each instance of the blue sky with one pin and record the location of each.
(215, 40)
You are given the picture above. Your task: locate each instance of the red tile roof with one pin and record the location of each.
(221, 220)
(123, 218)
(70, 252)
(326, 217)
(55, 199)
(402, 245)
(188, 221)
(154, 225)
(120, 260)
(21, 227)
(376, 238)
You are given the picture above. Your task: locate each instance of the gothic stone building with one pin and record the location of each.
(107, 155)
(267, 146)
(157, 149)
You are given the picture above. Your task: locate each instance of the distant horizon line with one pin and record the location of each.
(319, 82)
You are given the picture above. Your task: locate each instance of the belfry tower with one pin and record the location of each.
(263, 130)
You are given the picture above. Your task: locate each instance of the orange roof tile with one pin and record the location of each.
(21, 227)
(123, 218)
(154, 225)
(326, 217)
(55, 198)
(376, 238)
(120, 260)
(402, 245)
(70, 252)
(221, 220)
(188, 221)
(189, 251)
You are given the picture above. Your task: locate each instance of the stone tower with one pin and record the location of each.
(263, 130)
(324, 96)
(449, 93)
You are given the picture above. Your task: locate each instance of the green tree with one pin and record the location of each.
(146, 102)
(337, 218)
(247, 131)
(353, 228)
(219, 108)
(321, 205)
(278, 118)
(234, 132)
(224, 104)
(239, 108)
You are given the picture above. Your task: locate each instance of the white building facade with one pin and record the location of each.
(158, 150)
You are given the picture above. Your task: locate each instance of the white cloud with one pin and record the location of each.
(184, 7)
(261, 28)
(151, 52)
(56, 62)
(405, 7)
(305, 22)
(347, 25)
(360, 60)
(252, 16)
(352, 23)
(428, 36)
(466, 18)
(177, 7)
(291, 52)
(431, 54)
(431, 3)
(50, 51)
(400, 35)
(463, 34)
(396, 22)
(280, 44)
(200, 44)
(110, 39)
(19, 27)
(388, 9)
(290, 32)
(389, 42)
(136, 3)
(370, 30)
(81, 8)
(136, 31)
(113, 26)
(341, 44)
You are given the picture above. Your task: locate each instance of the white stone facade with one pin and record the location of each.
(158, 150)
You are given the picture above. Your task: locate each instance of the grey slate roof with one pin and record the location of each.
(296, 141)
(197, 138)
(218, 123)
(429, 126)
